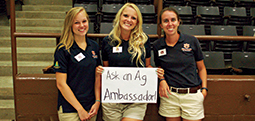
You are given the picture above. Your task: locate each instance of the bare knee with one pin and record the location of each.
(129, 119)
(173, 118)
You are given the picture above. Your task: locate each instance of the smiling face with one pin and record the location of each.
(128, 19)
(169, 23)
(80, 25)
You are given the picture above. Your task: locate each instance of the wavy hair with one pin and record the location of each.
(67, 35)
(137, 37)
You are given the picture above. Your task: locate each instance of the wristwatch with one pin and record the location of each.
(204, 88)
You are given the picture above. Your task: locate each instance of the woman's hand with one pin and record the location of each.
(204, 92)
(94, 109)
(164, 89)
(83, 114)
(99, 70)
(160, 73)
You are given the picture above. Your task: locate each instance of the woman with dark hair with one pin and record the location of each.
(184, 86)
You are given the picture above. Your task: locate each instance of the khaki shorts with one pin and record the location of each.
(117, 111)
(188, 106)
(71, 116)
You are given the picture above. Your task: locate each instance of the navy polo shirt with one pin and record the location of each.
(123, 58)
(80, 68)
(179, 61)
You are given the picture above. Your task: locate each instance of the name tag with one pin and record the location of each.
(79, 57)
(116, 49)
(162, 52)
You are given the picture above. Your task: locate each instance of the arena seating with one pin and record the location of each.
(198, 17)
(185, 13)
(148, 13)
(244, 63)
(167, 3)
(226, 46)
(196, 30)
(236, 16)
(249, 31)
(208, 15)
(215, 64)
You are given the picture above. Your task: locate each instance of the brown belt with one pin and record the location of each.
(185, 90)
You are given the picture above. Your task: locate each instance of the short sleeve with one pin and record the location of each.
(105, 47)
(60, 60)
(155, 46)
(198, 50)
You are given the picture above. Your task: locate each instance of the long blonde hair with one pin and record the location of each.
(67, 36)
(137, 37)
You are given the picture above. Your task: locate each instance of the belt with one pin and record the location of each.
(185, 90)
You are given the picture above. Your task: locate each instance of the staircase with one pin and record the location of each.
(34, 54)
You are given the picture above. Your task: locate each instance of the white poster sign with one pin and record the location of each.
(129, 85)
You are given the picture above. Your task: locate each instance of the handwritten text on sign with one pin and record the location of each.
(129, 85)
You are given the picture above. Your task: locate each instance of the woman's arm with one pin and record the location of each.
(94, 109)
(105, 63)
(69, 95)
(99, 71)
(203, 75)
(148, 62)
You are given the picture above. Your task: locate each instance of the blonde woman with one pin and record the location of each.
(75, 60)
(126, 46)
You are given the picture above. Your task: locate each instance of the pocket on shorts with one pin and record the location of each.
(201, 95)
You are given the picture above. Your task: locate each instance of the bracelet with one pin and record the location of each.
(161, 79)
(204, 88)
(98, 101)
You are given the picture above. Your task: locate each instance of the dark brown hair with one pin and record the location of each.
(168, 9)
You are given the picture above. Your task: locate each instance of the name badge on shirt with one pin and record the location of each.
(162, 52)
(79, 57)
(116, 49)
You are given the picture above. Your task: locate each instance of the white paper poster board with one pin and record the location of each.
(129, 85)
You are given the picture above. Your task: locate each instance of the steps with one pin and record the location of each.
(33, 54)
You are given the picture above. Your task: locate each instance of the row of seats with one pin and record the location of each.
(201, 30)
(207, 18)
(227, 47)
(222, 31)
(212, 15)
(114, 1)
(210, 2)
(206, 15)
(108, 12)
(99, 3)
(220, 3)
(242, 63)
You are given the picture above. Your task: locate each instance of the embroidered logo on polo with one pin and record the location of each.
(79, 57)
(186, 47)
(56, 66)
(93, 54)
